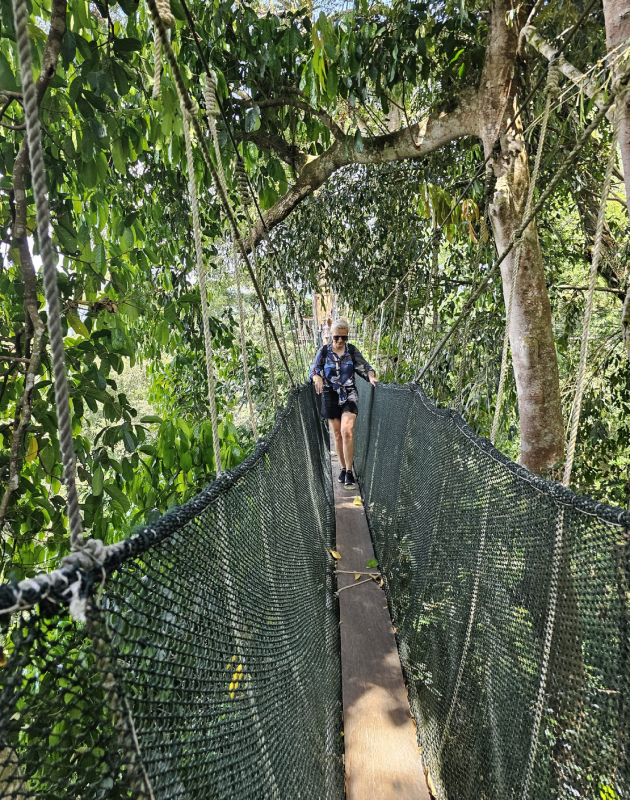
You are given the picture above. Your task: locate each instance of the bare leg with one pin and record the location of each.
(336, 426)
(347, 435)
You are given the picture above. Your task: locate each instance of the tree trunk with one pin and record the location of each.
(617, 19)
(531, 333)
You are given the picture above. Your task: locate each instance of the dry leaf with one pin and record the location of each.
(357, 575)
(335, 554)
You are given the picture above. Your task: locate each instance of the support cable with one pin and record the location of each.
(49, 269)
(168, 19)
(483, 237)
(241, 319)
(588, 311)
(203, 291)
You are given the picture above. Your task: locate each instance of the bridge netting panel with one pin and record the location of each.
(511, 599)
(208, 665)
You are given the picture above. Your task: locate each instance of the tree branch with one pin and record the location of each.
(590, 87)
(288, 153)
(414, 142)
(280, 102)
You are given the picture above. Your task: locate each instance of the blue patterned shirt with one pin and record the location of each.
(338, 371)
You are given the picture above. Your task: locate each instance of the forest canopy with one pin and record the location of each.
(389, 150)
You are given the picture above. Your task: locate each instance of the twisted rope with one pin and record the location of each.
(49, 269)
(201, 277)
(168, 20)
(588, 311)
(483, 236)
(403, 330)
(389, 344)
(553, 76)
(435, 254)
(241, 318)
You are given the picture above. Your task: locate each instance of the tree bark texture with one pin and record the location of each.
(617, 20)
(531, 333)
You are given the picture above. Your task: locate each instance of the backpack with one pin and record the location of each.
(322, 358)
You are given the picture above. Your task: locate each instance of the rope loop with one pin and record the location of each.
(168, 20)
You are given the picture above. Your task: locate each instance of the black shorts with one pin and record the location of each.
(330, 403)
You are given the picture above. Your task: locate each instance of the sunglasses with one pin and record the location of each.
(342, 338)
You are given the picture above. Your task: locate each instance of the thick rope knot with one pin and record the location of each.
(243, 185)
(91, 554)
(168, 20)
(210, 95)
(164, 10)
(553, 79)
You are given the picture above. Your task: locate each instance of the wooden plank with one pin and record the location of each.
(382, 759)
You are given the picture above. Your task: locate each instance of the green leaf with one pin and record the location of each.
(358, 141)
(114, 492)
(127, 45)
(163, 333)
(97, 482)
(7, 78)
(151, 419)
(77, 325)
(118, 155)
(100, 258)
(371, 563)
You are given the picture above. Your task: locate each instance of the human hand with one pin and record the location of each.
(319, 383)
(373, 380)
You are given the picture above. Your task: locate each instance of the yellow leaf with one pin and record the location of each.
(357, 575)
(357, 501)
(233, 658)
(335, 554)
(239, 668)
(235, 676)
(231, 695)
(231, 686)
(33, 449)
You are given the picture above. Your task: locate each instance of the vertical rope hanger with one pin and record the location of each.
(246, 201)
(553, 75)
(389, 343)
(483, 236)
(49, 269)
(212, 113)
(243, 338)
(403, 330)
(201, 277)
(588, 311)
(164, 10)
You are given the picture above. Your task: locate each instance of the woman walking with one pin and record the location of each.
(333, 372)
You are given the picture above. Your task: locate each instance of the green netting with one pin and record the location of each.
(208, 666)
(510, 596)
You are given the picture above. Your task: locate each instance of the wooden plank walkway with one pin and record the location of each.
(382, 760)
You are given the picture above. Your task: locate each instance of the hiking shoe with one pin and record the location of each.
(342, 475)
(349, 481)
